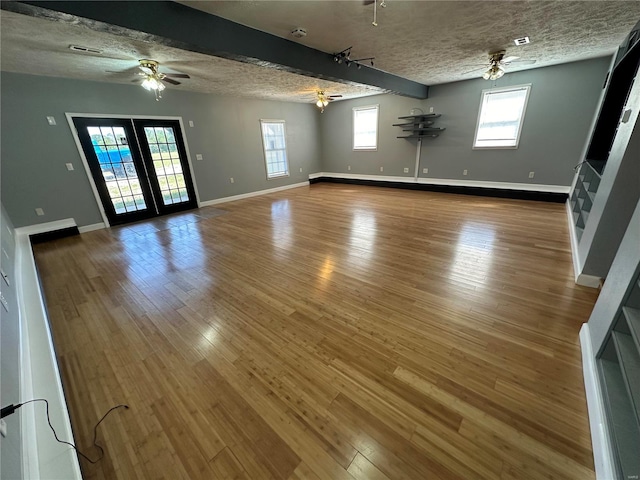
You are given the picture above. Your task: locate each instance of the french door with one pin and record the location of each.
(139, 167)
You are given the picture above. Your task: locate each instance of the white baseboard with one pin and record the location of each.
(531, 187)
(588, 280)
(602, 451)
(92, 227)
(42, 457)
(46, 227)
(233, 198)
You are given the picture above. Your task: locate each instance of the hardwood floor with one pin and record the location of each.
(327, 332)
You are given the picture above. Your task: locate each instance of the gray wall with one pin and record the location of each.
(226, 132)
(10, 447)
(561, 106)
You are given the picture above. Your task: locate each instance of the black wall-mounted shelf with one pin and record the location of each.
(420, 126)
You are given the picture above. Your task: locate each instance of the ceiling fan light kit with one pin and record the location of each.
(154, 79)
(324, 99)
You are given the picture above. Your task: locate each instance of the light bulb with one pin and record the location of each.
(496, 73)
(325, 102)
(319, 103)
(486, 74)
(146, 84)
(160, 86)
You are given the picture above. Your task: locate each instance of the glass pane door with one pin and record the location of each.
(117, 168)
(167, 166)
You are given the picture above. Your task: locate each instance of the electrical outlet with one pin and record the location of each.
(382, 169)
(39, 212)
(191, 123)
(69, 166)
(231, 180)
(464, 172)
(300, 169)
(3, 428)
(425, 170)
(198, 156)
(51, 120)
(406, 170)
(349, 167)
(531, 174)
(430, 109)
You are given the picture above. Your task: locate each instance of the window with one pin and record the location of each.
(500, 118)
(365, 128)
(275, 148)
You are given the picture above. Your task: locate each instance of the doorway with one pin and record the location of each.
(139, 166)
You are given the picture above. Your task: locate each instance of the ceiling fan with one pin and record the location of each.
(324, 99)
(497, 64)
(154, 79)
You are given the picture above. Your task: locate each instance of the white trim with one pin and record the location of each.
(602, 451)
(70, 116)
(353, 128)
(530, 187)
(588, 280)
(264, 148)
(580, 278)
(252, 194)
(527, 88)
(92, 227)
(46, 227)
(40, 375)
(575, 254)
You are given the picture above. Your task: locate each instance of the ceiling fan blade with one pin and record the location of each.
(523, 62)
(476, 69)
(509, 59)
(368, 2)
(177, 75)
(171, 81)
(335, 96)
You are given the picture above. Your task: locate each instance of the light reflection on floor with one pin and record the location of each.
(282, 228)
(473, 255)
(362, 239)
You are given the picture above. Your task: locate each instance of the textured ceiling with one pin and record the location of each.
(425, 41)
(435, 42)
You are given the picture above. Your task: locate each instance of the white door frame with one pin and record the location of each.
(70, 116)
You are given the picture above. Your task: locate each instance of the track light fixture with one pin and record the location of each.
(358, 61)
(343, 56)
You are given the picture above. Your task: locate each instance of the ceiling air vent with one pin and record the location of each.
(522, 41)
(78, 48)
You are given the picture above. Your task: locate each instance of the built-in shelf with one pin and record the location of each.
(420, 126)
(619, 363)
(622, 419)
(633, 320)
(584, 196)
(629, 360)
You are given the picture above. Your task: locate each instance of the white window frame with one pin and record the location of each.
(264, 121)
(527, 88)
(353, 124)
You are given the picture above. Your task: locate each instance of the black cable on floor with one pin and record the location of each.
(95, 429)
